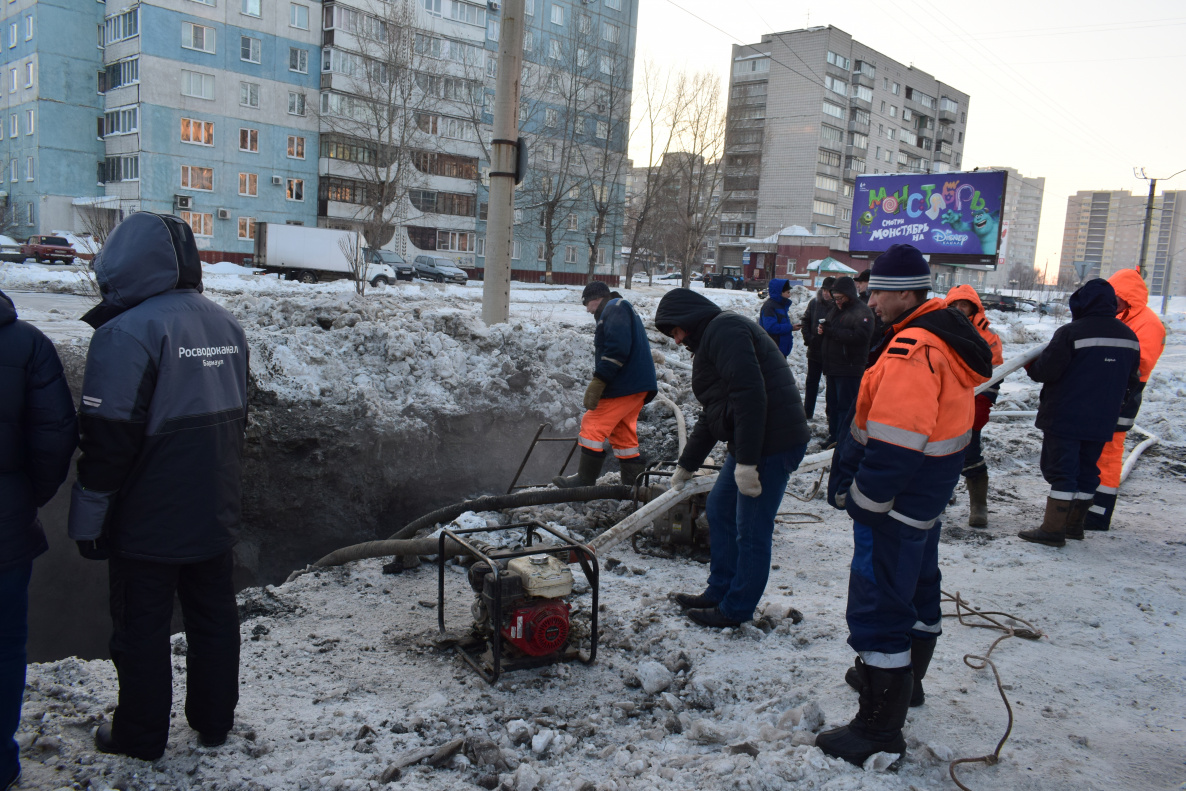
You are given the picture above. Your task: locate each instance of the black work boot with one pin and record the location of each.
(695, 601)
(877, 727)
(921, 652)
(1099, 514)
(1053, 530)
(588, 470)
(977, 501)
(1075, 517)
(631, 469)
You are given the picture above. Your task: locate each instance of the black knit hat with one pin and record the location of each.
(900, 268)
(863, 277)
(828, 282)
(594, 289)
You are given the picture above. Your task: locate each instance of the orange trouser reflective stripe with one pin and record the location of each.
(1110, 463)
(615, 419)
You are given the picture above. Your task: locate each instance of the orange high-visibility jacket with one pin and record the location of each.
(979, 320)
(1130, 287)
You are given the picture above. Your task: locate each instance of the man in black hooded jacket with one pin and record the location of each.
(750, 401)
(816, 309)
(164, 409)
(846, 335)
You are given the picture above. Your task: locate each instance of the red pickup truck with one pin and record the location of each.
(50, 249)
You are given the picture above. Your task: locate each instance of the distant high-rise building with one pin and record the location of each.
(1105, 229)
(1019, 220)
(809, 111)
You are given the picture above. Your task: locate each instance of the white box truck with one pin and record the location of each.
(299, 252)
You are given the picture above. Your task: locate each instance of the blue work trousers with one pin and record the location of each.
(893, 591)
(741, 530)
(1070, 466)
(14, 634)
(840, 394)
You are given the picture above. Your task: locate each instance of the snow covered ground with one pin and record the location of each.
(343, 687)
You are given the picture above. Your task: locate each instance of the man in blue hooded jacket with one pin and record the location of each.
(38, 434)
(164, 409)
(775, 319)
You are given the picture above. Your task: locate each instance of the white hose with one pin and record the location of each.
(681, 427)
(1009, 366)
(1129, 461)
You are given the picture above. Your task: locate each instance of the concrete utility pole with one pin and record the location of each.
(496, 289)
(1148, 223)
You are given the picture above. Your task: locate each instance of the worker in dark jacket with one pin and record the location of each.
(164, 409)
(749, 401)
(38, 434)
(846, 335)
(774, 316)
(623, 383)
(1088, 370)
(816, 309)
(862, 281)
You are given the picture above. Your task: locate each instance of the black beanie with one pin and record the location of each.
(594, 289)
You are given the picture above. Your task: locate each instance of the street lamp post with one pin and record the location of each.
(1141, 174)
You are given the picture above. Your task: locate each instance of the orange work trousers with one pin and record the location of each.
(615, 419)
(1111, 460)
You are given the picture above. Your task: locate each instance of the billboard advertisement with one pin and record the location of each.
(942, 214)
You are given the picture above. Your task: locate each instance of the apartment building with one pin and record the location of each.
(48, 106)
(809, 111)
(1022, 212)
(1104, 230)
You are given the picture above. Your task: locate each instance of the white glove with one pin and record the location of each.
(680, 479)
(748, 482)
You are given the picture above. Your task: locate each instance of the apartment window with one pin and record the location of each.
(857, 164)
(296, 147)
(541, 252)
(249, 94)
(202, 224)
(124, 168)
(547, 152)
(298, 60)
(121, 26)
(602, 130)
(29, 209)
(895, 89)
(455, 241)
(12, 29)
(835, 86)
(296, 103)
(12, 170)
(250, 7)
(433, 7)
(830, 134)
(551, 116)
(197, 37)
(570, 254)
(298, 16)
(557, 14)
(554, 49)
(827, 183)
(834, 110)
(610, 33)
(28, 28)
(824, 207)
(250, 49)
(616, 5)
(194, 177)
(295, 190)
(249, 184)
(12, 125)
(529, 7)
(29, 124)
(584, 24)
(247, 228)
(572, 223)
(607, 65)
(117, 75)
(122, 120)
(468, 13)
(961, 134)
(829, 158)
(12, 80)
(249, 140)
(859, 141)
(196, 84)
(861, 92)
(197, 132)
(839, 60)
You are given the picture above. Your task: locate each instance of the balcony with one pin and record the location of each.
(850, 174)
(946, 134)
(858, 78)
(947, 116)
(857, 101)
(858, 126)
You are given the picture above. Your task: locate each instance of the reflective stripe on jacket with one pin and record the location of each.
(621, 351)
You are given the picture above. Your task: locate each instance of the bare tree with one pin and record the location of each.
(351, 248)
(1022, 277)
(97, 224)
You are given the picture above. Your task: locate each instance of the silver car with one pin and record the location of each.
(439, 269)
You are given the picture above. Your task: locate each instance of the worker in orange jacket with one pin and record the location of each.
(965, 299)
(893, 471)
(1132, 298)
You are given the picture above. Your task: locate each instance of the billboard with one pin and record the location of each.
(954, 216)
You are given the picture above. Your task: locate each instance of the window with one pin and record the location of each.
(29, 208)
(116, 75)
(195, 84)
(554, 49)
(29, 124)
(197, 37)
(528, 41)
(830, 134)
(197, 132)
(12, 125)
(468, 13)
(547, 152)
(571, 223)
(298, 60)
(907, 114)
(570, 254)
(551, 116)
(829, 158)
(202, 224)
(12, 30)
(433, 7)
(895, 89)
(296, 147)
(455, 241)
(610, 33)
(541, 252)
(529, 7)
(835, 86)
(248, 184)
(122, 120)
(584, 24)
(298, 16)
(602, 131)
(834, 110)
(122, 26)
(516, 250)
(122, 168)
(827, 183)
(557, 14)
(194, 177)
(296, 103)
(616, 5)
(249, 140)
(839, 60)
(908, 137)
(250, 7)
(295, 189)
(250, 49)
(12, 80)
(249, 94)
(12, 170)
(861, 92)
(751, 66)
(860, 116)
(28, 28)
(858, 140)
(607, 65)
(247, 228)
(961, 134)
(824, 207)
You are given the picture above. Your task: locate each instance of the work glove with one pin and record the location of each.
(95, 549)
(748, 482)
(593, 393)
(680, 479)
(983, 406)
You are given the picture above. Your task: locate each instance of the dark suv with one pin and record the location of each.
(403, 270)
(998, 302)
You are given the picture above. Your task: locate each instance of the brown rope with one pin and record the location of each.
(1029, 632)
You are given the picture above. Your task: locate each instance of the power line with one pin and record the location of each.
(1075, 30)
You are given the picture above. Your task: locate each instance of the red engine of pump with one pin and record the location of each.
(538, 629)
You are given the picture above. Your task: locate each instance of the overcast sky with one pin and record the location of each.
(1079, 92)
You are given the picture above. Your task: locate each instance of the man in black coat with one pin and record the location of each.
(862, 281)
(164, 409)
(38, 434)
(1088, 370)
(749, 401)
(846, 335)
(816, 309)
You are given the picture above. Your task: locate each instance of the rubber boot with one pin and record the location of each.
(877, 728)
(1075, 518)
(588, 470)
(921, 652)
(1099, 515)
(1053, 530)
(978, 501)
(631, 469)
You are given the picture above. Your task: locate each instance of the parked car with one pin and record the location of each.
(640, 277)
(403, 270)
(438, 268)
(1053, 308)
(10, 249)
(671, 276)
(51, 249)
(998, 302)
